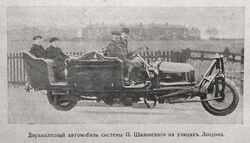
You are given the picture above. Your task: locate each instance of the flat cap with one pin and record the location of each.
(125, 30)
(53, 39)
(115, 33)
(37, 37)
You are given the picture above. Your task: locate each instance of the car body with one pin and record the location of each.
(94, 76)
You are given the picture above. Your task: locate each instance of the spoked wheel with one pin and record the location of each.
(226, 101)
(62, 102)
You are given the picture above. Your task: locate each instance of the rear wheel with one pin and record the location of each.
(62, 102)
(224, 105)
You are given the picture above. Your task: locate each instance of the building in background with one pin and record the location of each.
(101, 32)
(142, 32)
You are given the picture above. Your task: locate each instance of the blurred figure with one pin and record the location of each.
(37, 49)
(58, 57)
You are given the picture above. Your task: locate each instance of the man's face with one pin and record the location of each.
(116, 37)
(38, 41)
(124, 36)
(54, 43)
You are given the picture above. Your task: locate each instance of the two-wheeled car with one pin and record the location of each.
(94, 76)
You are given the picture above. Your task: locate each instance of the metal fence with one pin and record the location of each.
(199, 59)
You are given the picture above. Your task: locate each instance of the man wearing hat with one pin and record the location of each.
(37, 49)
(58, 57)
(114, 48)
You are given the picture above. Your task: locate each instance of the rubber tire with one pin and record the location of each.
(58, 107)
(231, 107)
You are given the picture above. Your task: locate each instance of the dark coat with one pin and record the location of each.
(124, 47)
(114, 50)
(37, 50)
(58, 57)
(55, 53)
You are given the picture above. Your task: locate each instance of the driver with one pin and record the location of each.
(118, 48)
(131, 61)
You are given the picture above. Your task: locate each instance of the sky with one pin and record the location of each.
(228, 21)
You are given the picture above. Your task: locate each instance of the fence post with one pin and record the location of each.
(24, 72)
(186, 54)
(159, 55)
(11, 69)
(172, 56)
(17, 68)
(163, 56)
(14, 68)
(156, 55)
(202, 55)
(21, 67)
(168, 56)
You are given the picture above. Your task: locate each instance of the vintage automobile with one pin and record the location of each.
(94, 76)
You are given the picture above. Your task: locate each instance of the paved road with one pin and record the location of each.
(33, 108)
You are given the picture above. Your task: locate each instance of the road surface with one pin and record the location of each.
(33, 108)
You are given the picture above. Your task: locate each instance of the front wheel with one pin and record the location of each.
(226, 104)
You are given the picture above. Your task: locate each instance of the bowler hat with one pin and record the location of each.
(115, 33)
(53, 39)
(36, 37)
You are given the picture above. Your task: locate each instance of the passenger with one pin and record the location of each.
(58, 57)
(37, 49)
(113, 49)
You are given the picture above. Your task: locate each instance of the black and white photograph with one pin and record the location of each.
(125, 65)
